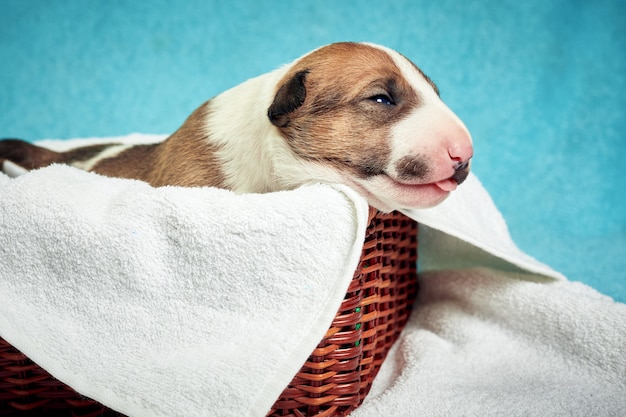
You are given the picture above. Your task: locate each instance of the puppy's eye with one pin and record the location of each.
(382, 99)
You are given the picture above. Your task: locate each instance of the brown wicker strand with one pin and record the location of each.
(339, 373)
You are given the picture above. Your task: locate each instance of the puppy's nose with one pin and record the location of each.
(461, 171)
(461, 165)
(461, 153)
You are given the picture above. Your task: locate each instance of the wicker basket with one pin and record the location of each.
(336, 377)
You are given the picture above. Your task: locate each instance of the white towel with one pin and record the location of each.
(496, 333)
(172, 301)
(196, 302)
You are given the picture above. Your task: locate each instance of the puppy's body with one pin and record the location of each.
(357, 114)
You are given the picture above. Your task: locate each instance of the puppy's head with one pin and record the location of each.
(370, 117)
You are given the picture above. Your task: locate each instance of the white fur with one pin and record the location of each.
(12, 170)
(431, 130)
(432, 120)
(263, 161)
(251, 138)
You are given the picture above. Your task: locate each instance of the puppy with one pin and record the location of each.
(352, 113)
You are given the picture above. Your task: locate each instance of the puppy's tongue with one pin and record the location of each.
(447, 185)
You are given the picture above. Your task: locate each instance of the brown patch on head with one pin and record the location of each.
(339, 103)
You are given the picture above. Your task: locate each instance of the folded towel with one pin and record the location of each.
(495, 332)
(195, 302)
(172, 301)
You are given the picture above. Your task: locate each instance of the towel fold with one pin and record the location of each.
(495, 332)
(172, 301)
(194, 302)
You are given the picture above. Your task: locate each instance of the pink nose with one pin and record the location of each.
(461, 153)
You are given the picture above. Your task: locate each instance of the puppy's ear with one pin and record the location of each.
(289, 97)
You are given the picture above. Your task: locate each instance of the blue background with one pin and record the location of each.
(539, 83)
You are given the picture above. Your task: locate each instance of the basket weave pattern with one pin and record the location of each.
(337, 375)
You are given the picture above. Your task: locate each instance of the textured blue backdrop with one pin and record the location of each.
(540, 84)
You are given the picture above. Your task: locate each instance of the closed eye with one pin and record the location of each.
(383, 99)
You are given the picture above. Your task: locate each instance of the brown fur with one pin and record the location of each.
(83, 153)
(186, 158)
(136, 162)
(26, 155)
(338, 90)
